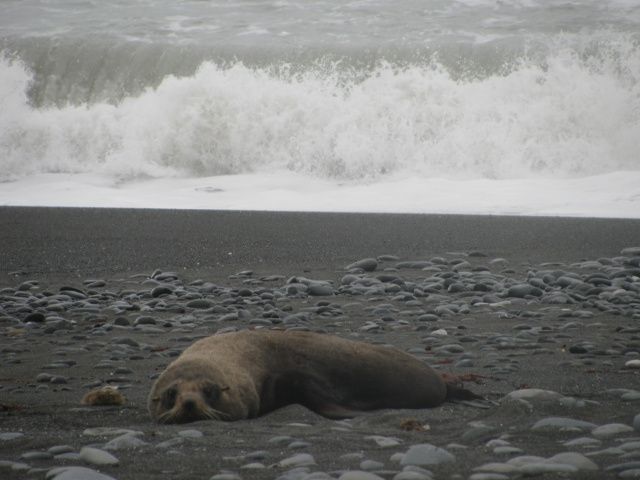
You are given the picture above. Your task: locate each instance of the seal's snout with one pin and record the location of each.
(189, 405)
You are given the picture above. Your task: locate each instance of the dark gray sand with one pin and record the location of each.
(543, 313)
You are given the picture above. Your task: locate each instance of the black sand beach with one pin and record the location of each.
(517, 303)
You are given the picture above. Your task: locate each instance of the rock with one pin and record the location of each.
(299, 460)
(384, 442)
(75, 473)
(575, 459)
(366, 264)
(199, 304)
(561, 424)
(95, 456)
(125, 442)
(369, 465)
(320, 290)
(426, 454)
(611, 430)
(634, 364)
(109, 432)
(359, 475)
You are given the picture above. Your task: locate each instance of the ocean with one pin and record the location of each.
(522, 107)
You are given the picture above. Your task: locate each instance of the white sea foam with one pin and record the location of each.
(570, 115)
(614, 195)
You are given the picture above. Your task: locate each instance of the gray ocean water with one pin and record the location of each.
(340, 89)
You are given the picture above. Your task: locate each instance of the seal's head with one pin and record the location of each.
(186, 393)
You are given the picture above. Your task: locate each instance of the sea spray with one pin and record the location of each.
(571, 112)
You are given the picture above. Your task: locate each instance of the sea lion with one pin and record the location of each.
(246, 374)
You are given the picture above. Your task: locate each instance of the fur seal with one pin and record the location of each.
(246, 374)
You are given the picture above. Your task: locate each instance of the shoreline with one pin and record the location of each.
(52, 240)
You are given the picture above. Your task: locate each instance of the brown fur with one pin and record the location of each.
(245, 374)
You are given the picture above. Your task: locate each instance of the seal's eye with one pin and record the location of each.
(169, 398)
(211, 394)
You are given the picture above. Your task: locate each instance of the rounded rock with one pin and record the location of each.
(366, 264)
(426, 454)
(95, 456)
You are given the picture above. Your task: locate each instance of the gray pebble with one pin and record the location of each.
(299, 460)
(95, 456)
(369, 465)
(611, 430)
(76, 473)
(560, 424)
(366, 264)
(359, 475)
(426, 454)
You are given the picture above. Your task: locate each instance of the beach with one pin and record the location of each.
(538, 314)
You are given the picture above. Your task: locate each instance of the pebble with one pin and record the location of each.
(76, 473)
(561, 424)
(425, 455)
(95, 456)
(584, 314)
(299, 460)
(384, 442)
(611, 430)
(366, 264)
(125, 442)
(359, 475)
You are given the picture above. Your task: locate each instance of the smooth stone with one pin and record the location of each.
(371, 465)
(191, 433)
(76, 473)
(36, 456)
(95, 456)
(426, 454)
(124, 442)
(200, 304)
(583, 442)
(60, 449)
(171, 442)
(488, 476)
(359, 475)
(366, 264)
(299, 460)
(574, 459)
(636, 422)
(384, 442)
(611, 430)
(108, 431)
(408, 475)
(634, 473)
(562, 424)
(7, 436)
(507, 450)
(317, 476)
(498, 468)
(634, 364)
(226, 476)
(319, 290)
(542, 468)
(523, 290)
(15, 466)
